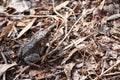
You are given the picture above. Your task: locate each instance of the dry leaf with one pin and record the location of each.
(39, 73)
(6, 31)
(20, 6)
(5, 67)
(26, 28)
(62, 5)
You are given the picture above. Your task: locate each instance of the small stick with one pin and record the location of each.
(4, 58)
(25, 68)
(111, 74)
(33, 16)
(103, 73)
(118, 62)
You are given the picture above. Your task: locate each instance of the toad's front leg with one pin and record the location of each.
(32, 59)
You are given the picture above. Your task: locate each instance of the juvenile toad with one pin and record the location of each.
(32, 51)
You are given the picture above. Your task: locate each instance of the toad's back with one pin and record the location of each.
(38, 40)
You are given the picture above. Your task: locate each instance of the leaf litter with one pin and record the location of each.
(84, 45)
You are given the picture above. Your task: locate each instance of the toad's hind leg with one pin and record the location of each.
(32, 59)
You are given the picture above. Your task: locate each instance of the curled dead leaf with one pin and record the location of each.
(5, 67)
(6, 31)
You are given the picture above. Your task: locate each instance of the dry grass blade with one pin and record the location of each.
(62, 5)
(78, 47)
(59, 7)
(25, 68)
(103, 73)
(101, 5)
(5, 60)
(69, 56)
(76, 42)
(56, 11)
(112, 74)
(26, 28)
(118, 62)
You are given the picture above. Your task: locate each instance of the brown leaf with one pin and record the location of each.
(6, 31)
(39, 73)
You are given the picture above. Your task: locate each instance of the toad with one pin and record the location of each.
(32, 51)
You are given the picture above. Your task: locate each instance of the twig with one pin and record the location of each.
(111, 74)
(118, 62)
(5, 60)
(33, 16)
(72, 11)
(69, 56)
(25, 68)
(56, 11)
(103, 73)
(66, 21)
(78, 41)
